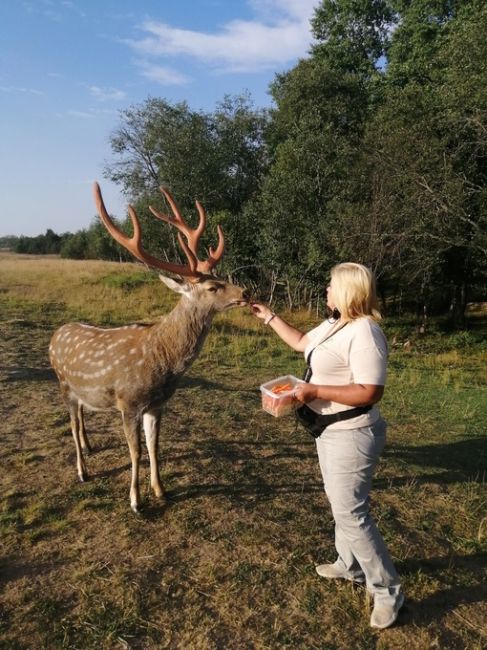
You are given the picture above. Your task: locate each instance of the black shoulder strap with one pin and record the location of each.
(308, 358)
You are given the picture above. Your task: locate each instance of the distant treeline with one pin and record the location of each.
(91, 243)
(375, 150)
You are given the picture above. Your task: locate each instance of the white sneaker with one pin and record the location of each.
(385, 615)
(333, 571)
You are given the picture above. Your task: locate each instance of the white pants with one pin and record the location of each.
(348, 458)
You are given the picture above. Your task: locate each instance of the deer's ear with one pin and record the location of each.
(179, 286)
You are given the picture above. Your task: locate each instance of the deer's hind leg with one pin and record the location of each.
(85, 444)
(152, 424)
(79, 435)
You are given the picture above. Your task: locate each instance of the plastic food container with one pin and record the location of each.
(278, 395)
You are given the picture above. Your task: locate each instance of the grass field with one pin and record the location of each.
(228, 562)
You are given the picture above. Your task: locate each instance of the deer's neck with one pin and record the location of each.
(178, 337)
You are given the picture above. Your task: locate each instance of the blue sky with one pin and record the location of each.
(68, 67)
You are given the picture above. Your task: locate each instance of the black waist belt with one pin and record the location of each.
(315, 423)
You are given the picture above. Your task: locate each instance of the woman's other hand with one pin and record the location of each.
(305, 393)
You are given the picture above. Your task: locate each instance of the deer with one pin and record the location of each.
(136, 368)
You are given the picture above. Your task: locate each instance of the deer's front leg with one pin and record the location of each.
(152, 423)
(131, 427)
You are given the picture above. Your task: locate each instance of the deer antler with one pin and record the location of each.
(192, 234)
(194, 269)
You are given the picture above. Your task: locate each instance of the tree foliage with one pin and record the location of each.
(423, 157)
(48, 244)
(218, 158)
(352, 35)
(375, 150)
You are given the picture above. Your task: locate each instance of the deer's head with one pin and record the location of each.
(197, 282)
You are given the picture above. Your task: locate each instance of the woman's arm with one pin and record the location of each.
(293, 337)
(349, 394)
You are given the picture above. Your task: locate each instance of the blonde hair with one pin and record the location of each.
(354, 291)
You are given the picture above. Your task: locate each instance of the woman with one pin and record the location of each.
(347, 357)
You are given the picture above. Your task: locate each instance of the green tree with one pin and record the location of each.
(375, 150)
(425, 152)
(101, 245)
(75, 246)
(353, 35)
(422, 29)
(411, 205)
(218, 158)
(49, 243)
(321, 111)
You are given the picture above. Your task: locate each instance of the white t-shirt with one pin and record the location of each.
(355, 354)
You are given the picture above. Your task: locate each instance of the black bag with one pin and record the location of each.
(315, 423)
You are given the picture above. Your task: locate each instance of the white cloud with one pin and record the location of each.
(269, 9)
(44, 8)
(91, 113)
(73, 7)
(20, 90)
(53, 10)
(82, 114)
(107, 94)
(279, 34)
(162, 74)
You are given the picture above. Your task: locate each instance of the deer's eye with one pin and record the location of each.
(213, 289)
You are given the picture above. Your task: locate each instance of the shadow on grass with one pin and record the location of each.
(188, 381)
(233, 329)
(27, 374)
(241, 450)
(424, 612)
(472, 563)
(248, 496)
(465, 460)
(243, 492)
(12, 569)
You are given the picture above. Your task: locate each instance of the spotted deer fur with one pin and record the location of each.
(136, 368)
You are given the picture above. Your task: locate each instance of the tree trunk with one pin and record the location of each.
(458, 305)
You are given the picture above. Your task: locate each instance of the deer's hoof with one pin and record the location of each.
(135, 509)
(83, 477)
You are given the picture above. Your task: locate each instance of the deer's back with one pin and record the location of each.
(105, 368)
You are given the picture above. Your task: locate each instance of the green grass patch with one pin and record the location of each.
(128, 281)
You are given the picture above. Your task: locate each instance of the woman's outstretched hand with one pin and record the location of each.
(259, 310)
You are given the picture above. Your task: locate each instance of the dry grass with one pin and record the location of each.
(228, 561)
